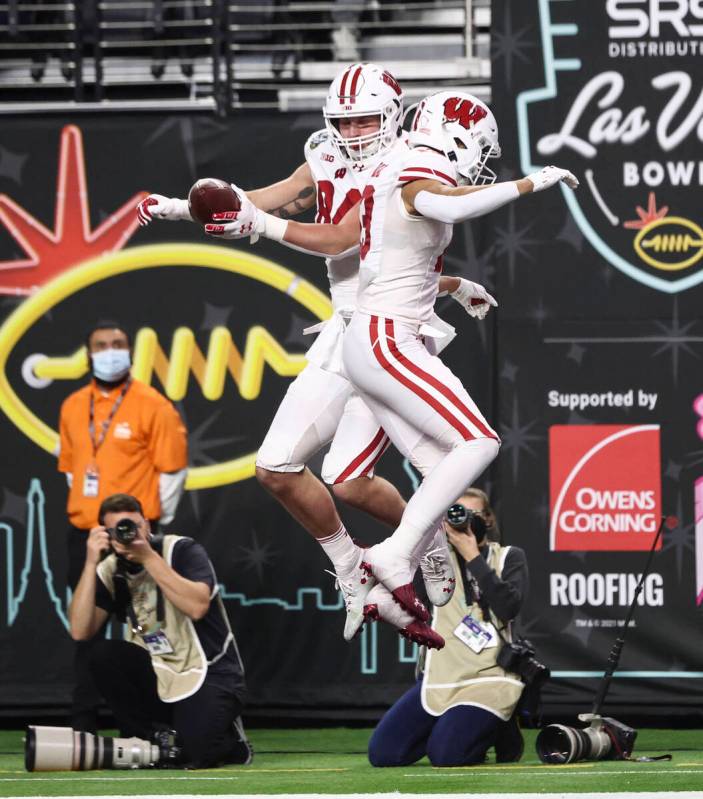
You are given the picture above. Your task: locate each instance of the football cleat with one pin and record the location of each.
(381, 605)
(355, 587)
(397, 576)
(438, 575)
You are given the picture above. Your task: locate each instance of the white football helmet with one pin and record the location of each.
(463, 128)
(364, 90)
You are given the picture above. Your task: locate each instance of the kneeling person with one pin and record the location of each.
(180, 666)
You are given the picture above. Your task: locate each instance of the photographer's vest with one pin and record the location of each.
(181, 673)
(456, 675)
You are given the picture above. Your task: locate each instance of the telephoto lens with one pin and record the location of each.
(125, 531)
(64, 749)
(557, 744)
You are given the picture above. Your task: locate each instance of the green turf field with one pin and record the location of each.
(333, 761)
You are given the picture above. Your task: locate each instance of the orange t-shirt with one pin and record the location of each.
(146, 437)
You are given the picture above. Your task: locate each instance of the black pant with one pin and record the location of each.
(84, 707)
(126, 679)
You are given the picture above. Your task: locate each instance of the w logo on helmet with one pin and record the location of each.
(463, 111)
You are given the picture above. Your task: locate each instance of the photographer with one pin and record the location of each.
(179, 666)
(464, 699)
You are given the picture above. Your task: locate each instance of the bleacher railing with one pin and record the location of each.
(222, 56)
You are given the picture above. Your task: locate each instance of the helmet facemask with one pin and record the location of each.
(361, 151)
(471, 161)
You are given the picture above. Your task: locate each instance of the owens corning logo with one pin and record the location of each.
(631, 125)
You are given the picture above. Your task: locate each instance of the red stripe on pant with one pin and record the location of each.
(446, 392)
(363, 456)
(464, 431)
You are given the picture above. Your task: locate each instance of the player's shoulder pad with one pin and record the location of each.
(424, 163)
(315, 140)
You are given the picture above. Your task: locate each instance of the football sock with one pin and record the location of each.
(341, 550)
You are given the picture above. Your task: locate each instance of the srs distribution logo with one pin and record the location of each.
(605, 487)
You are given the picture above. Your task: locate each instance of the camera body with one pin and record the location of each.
(519, 658)
(604, 739)
(125, 531)
(464, 519)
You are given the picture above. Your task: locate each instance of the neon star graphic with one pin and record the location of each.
(645, 217)
(50, 252)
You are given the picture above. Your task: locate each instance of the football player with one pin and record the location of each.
(411, 199)
(363, 114)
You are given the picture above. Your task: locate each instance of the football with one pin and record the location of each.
(210, 196)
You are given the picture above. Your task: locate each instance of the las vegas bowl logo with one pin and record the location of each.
(621, 105)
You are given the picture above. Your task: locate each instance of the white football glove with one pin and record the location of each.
(239, 224)
(550, 176)
(474, 298)
(156, 205)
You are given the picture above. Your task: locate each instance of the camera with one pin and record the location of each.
(125, 531)
(604, 739)
(464, 519)
(519, 658)
(65, 749)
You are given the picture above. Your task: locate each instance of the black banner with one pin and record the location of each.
(70, 253)
(600, 336)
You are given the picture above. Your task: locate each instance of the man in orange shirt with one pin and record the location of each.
(118, 435)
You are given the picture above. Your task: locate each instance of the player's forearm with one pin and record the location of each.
(321, 239)
(190, 597)
(282, 199)
(448, 284)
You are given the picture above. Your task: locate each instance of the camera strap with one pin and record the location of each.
(123, 599)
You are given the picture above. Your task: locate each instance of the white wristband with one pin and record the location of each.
(272, 227)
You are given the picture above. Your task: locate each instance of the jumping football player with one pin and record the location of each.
(409, 204)
(363, 115)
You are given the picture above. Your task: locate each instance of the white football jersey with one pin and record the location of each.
(338, 190)
(401, 255)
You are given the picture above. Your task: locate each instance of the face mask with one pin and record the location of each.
(110, 365)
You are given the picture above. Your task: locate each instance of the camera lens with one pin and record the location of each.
(558, 744)
(125, 531)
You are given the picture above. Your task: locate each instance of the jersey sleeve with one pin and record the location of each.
(424, 164)
(191, 561)
(312, 145)
(167, 439)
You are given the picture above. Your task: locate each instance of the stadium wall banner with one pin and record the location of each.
(600, 338)
(218, 328)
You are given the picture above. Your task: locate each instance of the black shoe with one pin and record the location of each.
(242, 751)
(509, 743)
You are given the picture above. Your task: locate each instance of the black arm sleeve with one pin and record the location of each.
(504, 595)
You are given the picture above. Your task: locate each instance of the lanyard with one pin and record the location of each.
(106, 424)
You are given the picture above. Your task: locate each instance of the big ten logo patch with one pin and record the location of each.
(605, 487)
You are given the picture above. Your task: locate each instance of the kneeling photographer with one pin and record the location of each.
(179, 667)
(468, 691)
